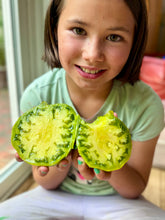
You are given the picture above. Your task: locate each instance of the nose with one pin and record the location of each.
(93, 51)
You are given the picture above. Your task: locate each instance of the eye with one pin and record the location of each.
(114, 38)
(79, 31)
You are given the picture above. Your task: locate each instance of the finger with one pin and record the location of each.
(65, 163)
(17, 157)
(84, 170)
(75, 155)
(102, 175)
(43, 171)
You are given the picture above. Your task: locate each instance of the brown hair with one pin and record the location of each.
(131, 70)
(50, 33)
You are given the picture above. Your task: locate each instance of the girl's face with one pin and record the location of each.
(94, 41)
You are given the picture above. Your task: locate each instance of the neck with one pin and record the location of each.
(88, 101)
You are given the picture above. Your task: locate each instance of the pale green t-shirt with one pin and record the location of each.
(138, 106)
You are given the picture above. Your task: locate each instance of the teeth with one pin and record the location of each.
(90, 71)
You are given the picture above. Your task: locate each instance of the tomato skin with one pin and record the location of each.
(105, 144)
(45, 134)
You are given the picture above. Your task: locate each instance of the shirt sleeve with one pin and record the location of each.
(150, 122)
(30, 98)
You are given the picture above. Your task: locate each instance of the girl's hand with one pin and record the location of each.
(18, 158)
(43, 170)
(62, 166)
(89, 173)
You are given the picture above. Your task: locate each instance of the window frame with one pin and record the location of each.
(14, 174)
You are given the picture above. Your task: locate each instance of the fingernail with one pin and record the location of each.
(80, 162)
(97, 171)
(64, 165)
(43, 172)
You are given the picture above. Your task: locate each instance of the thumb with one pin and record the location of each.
(43, 171)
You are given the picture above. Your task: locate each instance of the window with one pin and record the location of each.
(23, 31)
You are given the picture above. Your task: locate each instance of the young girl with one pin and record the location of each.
(97, 48)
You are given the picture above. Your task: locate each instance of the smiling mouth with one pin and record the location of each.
(90, 71)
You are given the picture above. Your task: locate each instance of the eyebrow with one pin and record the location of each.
(117, 28)
(77, 21)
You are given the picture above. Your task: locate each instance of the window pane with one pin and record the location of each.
(12, 173)
(23, 31)
(6, 149)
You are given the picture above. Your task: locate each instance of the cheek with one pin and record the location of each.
(118, 56)
(69, 50)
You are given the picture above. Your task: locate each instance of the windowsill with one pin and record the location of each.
(12, 177)
(27, 185)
